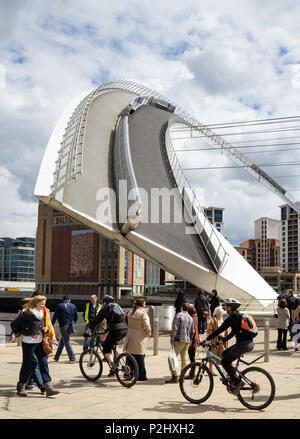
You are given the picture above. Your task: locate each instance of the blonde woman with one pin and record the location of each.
(30, 323)
(36, 374)
(213, 325)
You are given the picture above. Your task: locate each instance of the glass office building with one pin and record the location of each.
(17, 259)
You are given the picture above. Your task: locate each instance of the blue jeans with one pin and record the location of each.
(26, 369)
(36, 374)
(202, 324)
(65, 341)
(89, 342)
(140, 359)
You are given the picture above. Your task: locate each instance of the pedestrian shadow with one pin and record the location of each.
(179, 407)
(81, 382)
(287, 397)
(9, 392)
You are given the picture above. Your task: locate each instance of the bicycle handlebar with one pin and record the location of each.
(95, 334)
(209, 345)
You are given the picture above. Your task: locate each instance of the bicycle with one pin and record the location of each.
(91, 363)
(196, 382)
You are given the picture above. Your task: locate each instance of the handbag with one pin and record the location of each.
(205, 314)
(173, 359)
(47, 344)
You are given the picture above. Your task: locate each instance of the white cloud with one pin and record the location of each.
(221, 61)
(18, 217)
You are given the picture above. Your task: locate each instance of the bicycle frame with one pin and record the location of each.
(214, 358)
(210, 356)
(99, 345)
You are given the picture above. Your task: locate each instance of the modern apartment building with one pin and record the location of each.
(215, 216)
(17, 257)
(290, 239)
(263, 251)
(247, 249)
(72, 259)
(267, 240)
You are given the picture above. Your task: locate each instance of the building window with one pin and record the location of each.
(283, 213)
(218, 216)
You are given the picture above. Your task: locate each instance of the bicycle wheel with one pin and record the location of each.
(199, 388)
(259, 388)
(127, 369)
(91, 365)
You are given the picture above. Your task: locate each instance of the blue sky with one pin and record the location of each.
(221, 61)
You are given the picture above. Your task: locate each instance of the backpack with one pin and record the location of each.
(248, 326)
(117, 313)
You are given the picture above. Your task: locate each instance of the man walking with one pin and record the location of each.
(67, 316)
(92, 309)
(182, 333)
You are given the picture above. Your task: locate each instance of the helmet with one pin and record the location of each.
(108, 299)
(233, 303)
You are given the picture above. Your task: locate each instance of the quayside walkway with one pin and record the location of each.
(106, 398)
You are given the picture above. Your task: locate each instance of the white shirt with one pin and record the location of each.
(34, 338)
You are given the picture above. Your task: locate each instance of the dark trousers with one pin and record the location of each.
(140, 359)
(281, 338)
(192, 354)
(26, 369)
(232, 353)
(36, 374)
(192, 357)
(202, 324)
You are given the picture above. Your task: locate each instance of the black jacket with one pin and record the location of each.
(214, 302)
(292, 302)
(106, 313)
(234, 322)
(26, 324)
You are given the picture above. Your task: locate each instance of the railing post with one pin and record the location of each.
(155, 335)
(155, 328)
(266, 340)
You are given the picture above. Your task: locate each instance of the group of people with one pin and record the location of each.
(189, 323)
(33, 323)
(287, 314)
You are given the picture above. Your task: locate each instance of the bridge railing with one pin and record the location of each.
(200, 223)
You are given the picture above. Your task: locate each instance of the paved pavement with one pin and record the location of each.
(107, 399)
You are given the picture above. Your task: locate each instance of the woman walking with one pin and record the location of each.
(202, 308)
(214, 301)
(283, 321)
(30, 323)
(213, 325)
(139, 330)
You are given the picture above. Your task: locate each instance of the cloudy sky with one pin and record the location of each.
(222, 61)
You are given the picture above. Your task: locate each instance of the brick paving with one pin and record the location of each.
(107, 399)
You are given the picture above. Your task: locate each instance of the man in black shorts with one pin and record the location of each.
(117, 328)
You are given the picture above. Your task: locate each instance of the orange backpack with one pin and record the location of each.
(248, 326)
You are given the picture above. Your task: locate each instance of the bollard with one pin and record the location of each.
(155, 336)
(266, 340)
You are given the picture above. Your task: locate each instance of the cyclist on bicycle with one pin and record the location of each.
(117, 328)
(244, 342)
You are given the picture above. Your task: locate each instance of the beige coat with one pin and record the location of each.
(213, 325)
(139, 330)
(295, 313)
